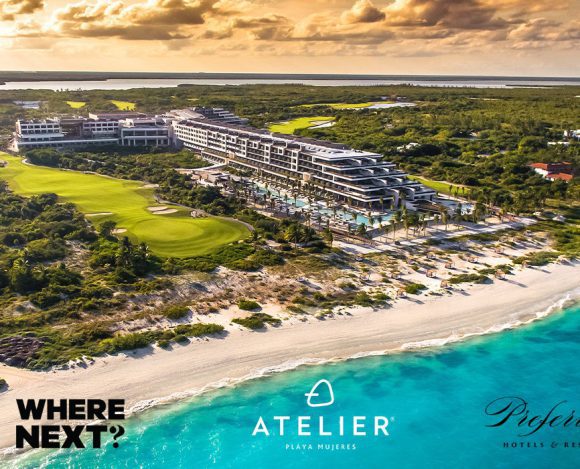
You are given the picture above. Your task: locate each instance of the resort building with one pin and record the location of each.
(355, 177)
(144, 132)
(213, 113)
(100, 129)
(562, 171)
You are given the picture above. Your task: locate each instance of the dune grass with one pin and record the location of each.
(125, 202)
(299, 123)
(124, 105)
(76, 104)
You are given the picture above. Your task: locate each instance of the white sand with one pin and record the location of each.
(164, 212)
(119, 230)
(157, 208)
(99, 214)
(205, 364)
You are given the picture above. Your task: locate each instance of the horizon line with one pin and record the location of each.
(364, 76)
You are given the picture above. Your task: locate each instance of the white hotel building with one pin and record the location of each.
(355, 177)
(77, 132)
(358, 178)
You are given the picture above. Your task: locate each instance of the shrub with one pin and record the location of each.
(414, 288)
(45, 250)
(468, 278)
(382, 297)
(89, 332)
(198, 330)
(248, 305)
(246, 265)
(295, 309)
(267, 258)
(363, 299)
(537, 258)
(176, 312)
(257, 321)
(130, 341)
(163, 343)
(2, 383)
(180, 339)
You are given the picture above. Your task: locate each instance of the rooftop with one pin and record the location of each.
(319, 147)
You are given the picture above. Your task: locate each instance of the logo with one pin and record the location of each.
(531, 429)
(313, 393)
(322, 430)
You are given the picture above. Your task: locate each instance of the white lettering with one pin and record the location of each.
(282, 419)
(381, 426)
(303, 425)
(322, 432)
(356, 425)
(260, 428)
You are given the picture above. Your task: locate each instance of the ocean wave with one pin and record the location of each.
(568, 300)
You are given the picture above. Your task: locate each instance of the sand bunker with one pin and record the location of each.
(119, 231)
(99, 214)
(163, 212)
(158, 208)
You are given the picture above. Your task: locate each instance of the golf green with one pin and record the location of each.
(101, 198)
(290, 126)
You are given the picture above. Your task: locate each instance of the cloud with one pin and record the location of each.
(10, 9)
(154, 19)
(389, 28)
(363, 11)
(455, 14)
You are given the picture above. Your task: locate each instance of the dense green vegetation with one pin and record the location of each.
(414, 288)
(257, 321)
(248, 305)
(480, 138)
(60, 279)
(127, 204)
(468, 278)
(158, 169)
(63, 276)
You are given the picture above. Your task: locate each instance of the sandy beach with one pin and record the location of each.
(154, 375)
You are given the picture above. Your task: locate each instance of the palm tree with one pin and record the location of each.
(398, 219)
(328, 237)
(436, 219)
(406, 220)
(457, 215)
(294, 234)
(445, 217)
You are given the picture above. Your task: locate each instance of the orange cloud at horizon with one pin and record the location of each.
(495, 37)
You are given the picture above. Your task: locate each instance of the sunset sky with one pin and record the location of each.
(472, 37)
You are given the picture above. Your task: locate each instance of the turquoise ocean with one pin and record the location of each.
(435, 400)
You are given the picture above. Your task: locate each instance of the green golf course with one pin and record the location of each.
(171, 234)
(288, 127)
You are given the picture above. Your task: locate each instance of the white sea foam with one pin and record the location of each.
(561, 303)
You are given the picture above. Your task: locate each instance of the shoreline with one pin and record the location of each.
(154, 376)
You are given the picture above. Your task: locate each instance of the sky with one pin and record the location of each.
(424, 37)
